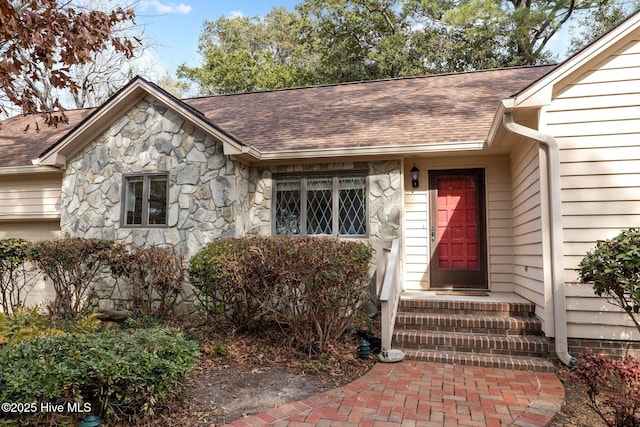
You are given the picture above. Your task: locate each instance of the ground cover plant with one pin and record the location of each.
(119, 374)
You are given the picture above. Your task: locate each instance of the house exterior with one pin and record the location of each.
(518, 172)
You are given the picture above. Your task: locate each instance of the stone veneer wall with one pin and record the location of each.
(385, 197)
(207, 190)
(210, 195)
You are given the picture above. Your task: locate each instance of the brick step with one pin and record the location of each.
(529, 346)
(491, 308)
(469, 323)
(537, 364)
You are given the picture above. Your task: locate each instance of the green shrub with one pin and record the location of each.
(311, 286)
(224, 274)
(614, 268)
(120, 374)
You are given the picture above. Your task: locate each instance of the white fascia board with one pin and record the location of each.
(540, 93)
(375, 151)
(497, 129)
(27, 170)
(29, 216)
(131, 95)
(90, 128)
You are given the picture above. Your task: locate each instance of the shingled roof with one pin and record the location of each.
(431, 109)
(436, 109)
(24, 138)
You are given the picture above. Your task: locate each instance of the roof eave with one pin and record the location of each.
(26, 170)
(402, 150)
(540, 92)
(129, 96)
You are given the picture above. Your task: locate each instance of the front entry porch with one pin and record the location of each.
(495, 330)
(468, 327)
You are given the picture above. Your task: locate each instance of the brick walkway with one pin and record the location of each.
(413, 393)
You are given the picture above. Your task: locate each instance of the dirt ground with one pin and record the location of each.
(575, 412)
(240, 376)
(221, 393)
(243, 375)
(225, 395)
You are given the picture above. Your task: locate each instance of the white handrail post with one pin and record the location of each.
(390, 289)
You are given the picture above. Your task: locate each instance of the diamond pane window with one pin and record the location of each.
(327, 204)
(319, 206)
(287, 206)
(145, 200)
(352, 205)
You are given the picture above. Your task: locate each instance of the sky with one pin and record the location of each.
(174, 27)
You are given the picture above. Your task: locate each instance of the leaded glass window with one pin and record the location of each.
(288, 206)
(352, 205)
(321, 204)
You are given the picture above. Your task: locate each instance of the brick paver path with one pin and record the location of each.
(413, 393)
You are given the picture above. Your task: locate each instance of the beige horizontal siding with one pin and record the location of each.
(34, 196)
(528, 263)
(417, 228)
(596, 121)
(30, 230)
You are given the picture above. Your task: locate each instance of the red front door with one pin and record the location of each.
(458, 254)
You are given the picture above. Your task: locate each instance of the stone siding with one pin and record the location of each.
(210, 194)
(205, 186)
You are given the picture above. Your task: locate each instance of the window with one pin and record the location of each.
(320, 204)
(145, 200)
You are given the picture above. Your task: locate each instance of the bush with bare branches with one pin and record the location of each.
(16, 277)
(312, 287)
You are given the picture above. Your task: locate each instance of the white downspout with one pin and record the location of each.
(555, 212)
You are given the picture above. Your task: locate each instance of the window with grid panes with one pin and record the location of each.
(327, 204)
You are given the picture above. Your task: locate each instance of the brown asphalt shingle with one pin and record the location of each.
(20, 144)
(431, 109)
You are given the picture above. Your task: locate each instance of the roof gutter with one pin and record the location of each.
(555, 215)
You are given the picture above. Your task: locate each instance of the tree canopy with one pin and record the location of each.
(331, 41)
(40, 40)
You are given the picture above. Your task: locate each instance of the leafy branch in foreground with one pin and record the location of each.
(614, 269)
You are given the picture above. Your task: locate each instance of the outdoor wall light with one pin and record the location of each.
(415, 176)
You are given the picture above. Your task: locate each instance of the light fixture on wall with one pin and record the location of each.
(415, 176)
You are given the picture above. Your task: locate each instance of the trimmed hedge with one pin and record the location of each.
(119, 373)
(311, 286)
